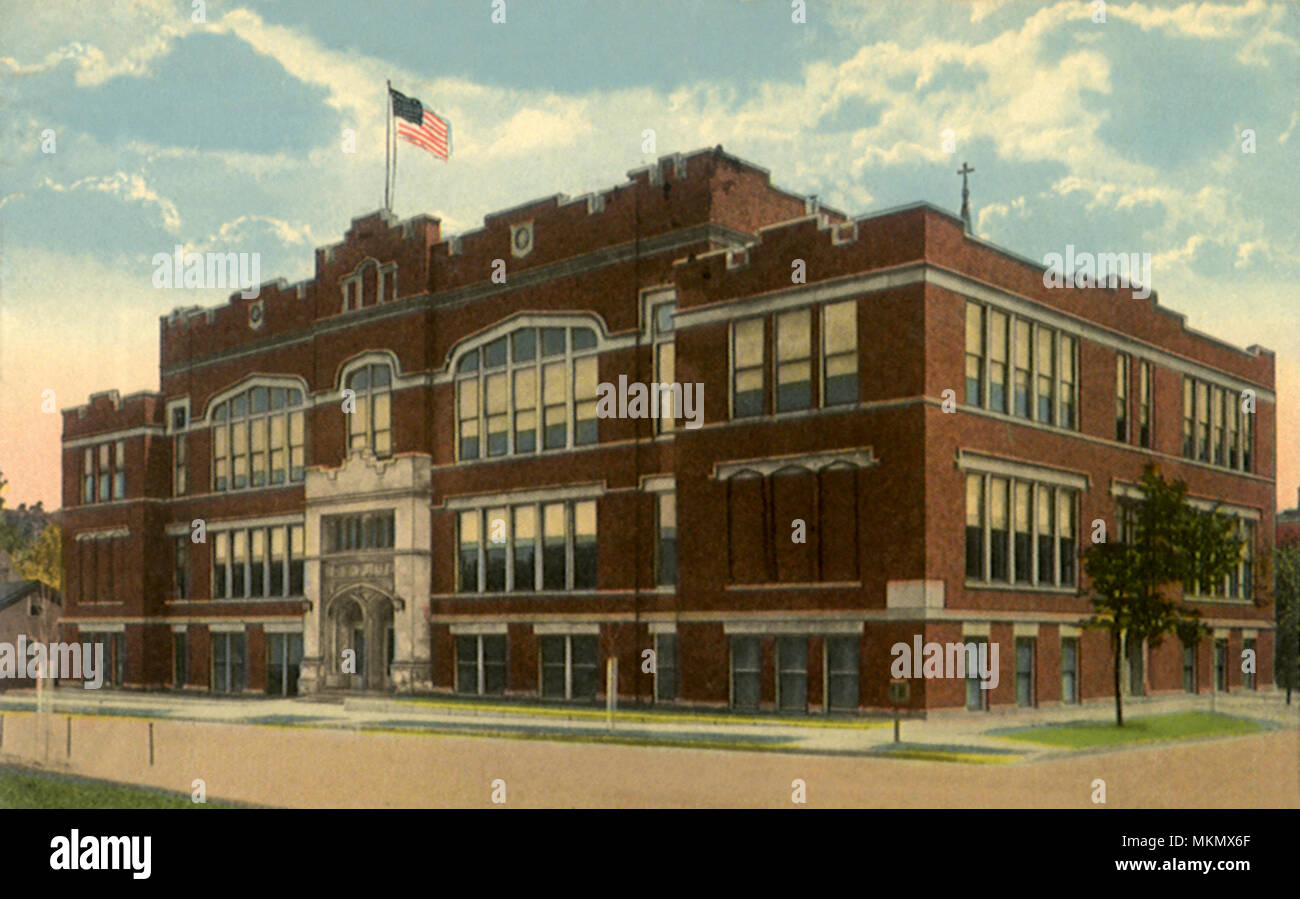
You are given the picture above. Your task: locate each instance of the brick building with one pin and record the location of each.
(474, 522)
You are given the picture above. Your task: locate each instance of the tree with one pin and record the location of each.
(1286, 573)
(42, 561)
(1166, 544)
(9, 537)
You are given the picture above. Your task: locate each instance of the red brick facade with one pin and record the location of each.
(878, 481)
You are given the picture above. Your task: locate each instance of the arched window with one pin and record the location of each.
(533, 389)
(370, 424)
(257, 439)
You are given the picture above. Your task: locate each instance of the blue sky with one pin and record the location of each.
(1116, 136)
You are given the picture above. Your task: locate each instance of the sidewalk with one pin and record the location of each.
(955, 736)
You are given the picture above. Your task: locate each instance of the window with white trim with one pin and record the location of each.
(103, 472)
(180, 456)
(532, 389)
(569, 666)
(1042, 549)
(665, 359)
(1121, 396)
(666, 539)
(258, 439)
(370, 423)
(840, 353)
(258, 562)
(1144, 403)
(357, 533)
(481, 664)
(666, 681)
(503, 549)
(788, 362)
(1215, 428)
(1042, 363)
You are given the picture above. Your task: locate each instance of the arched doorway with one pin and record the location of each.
(360, 640)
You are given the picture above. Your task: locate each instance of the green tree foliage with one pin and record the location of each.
(42, 559)
(1286, 591)
(1169, 544)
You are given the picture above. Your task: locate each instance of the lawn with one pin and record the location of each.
(1094, 734)
(21, 788)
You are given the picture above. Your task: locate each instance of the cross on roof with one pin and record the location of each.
(965, 193)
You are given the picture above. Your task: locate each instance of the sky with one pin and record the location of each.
(222, 126)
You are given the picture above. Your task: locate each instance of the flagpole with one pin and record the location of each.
(390, 106)
(388, 125)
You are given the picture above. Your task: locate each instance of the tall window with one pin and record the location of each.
(840, 353)
(793, 361)
(570, 666)
(1144, 403)
(1232, 422)
(1017, 367)
(974, 353)
(998, 361)
(999, 523)
(665, 353)
(584, 401)
(228, 655)
(370, 425)
(748, 370)
(181, 570)
(1024, 540)
(974, 527)
(1070, 670)
(119, 469)
(528, 390)
(792, 674)
(1045, 367)
(257, 439)
(114, 655)
(1025, 686)
(1202, 421)
(665, 667)
(1215, 428)
(88, 476)
(1218, 399)
(524, 548)
(977, 698)
(1069, 359)
(1024, 384)
(842, 673)
(1121, 397)
(502, 549)
(1043, 550)
(1247, 435)
(481, 664)
(180, 458)
(1189, 667)
(283, 661)
(248, 563)
(789, 362)
(1065, 517)
(105, 471)
(180, 660)
(746, 672)
(666, 539)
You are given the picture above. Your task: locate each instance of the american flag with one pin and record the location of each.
(421, 126)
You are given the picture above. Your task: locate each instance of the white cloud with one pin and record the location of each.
(128, 187)
(247, 226)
